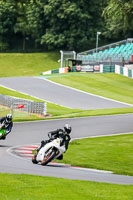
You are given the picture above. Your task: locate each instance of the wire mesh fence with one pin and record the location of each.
(22, 106)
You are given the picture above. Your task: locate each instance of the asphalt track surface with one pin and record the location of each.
(33, 132)
(58, 94)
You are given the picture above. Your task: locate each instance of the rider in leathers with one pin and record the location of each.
(6, 124)
(59, 133)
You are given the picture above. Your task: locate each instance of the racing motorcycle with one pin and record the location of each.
(49, 152)
(2, 132)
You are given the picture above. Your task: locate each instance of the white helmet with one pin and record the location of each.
(8, 118)
(67, 128)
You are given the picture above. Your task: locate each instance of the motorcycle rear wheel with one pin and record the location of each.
(49, 157)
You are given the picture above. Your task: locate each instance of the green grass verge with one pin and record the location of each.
(27, 64)
(97, 112)
(13, 93)
(57, 111)
(109, 85)
(111, 153)
(52, 109)
(28, 187)
(19, 115)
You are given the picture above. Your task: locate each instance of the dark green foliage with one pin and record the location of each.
(72, 24)
(63, 24)
(119, 18)
(53, 24)
(7, 21)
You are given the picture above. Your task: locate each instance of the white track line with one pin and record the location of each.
(84, 91)
(103, 135)
(9, 150)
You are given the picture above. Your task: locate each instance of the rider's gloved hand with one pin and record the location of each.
(42, 142)
(53, 137)
(3, 127)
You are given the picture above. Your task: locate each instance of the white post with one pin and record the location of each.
(74, 55)
(98, 33)
(12, 110)
(61, 62)
(45, 109)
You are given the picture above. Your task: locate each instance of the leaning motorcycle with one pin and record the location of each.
(49, 152)
(2, 132)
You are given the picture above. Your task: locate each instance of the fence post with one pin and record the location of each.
(12, 110)
(45, 109)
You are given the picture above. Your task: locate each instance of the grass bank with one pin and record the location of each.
(27, 187)
(27, 64)
(56, 111)
(111, 153)
(108, 85)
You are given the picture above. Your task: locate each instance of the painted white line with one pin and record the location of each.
(84, 91)
(23, 151)
(9, 150)
(92, 170)
(127, 133)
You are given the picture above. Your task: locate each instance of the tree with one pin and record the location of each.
(71, 24)
(21, 25)
(55, 24)
(7, 20)
(35, 20)
(119, 18)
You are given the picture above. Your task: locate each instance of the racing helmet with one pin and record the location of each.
(67, 128)
(8, 118)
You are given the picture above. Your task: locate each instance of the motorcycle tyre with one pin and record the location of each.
(53, 154)
(34, 160)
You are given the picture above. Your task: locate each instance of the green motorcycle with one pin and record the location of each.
(2, 132)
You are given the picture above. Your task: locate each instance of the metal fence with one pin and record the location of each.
(109, 46)
(24, 104)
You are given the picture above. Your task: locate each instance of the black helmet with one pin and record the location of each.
(67, 128)
(8, 118)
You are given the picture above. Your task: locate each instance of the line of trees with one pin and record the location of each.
(63, 24)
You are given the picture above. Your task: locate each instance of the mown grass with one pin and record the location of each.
(28, 187)
(95, 152)
(111, 153)
(56, 111)
(108, 85)
(97, 112)
(27, 64)
(19, 115)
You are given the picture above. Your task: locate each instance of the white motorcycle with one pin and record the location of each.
(49, 152)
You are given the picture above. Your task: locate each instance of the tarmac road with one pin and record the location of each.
(58, 94)
(33, 132)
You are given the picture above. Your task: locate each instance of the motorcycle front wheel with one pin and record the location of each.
(34, 159)
(50, 156)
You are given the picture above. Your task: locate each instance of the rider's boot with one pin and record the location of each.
(60, 157)
(3, 137)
